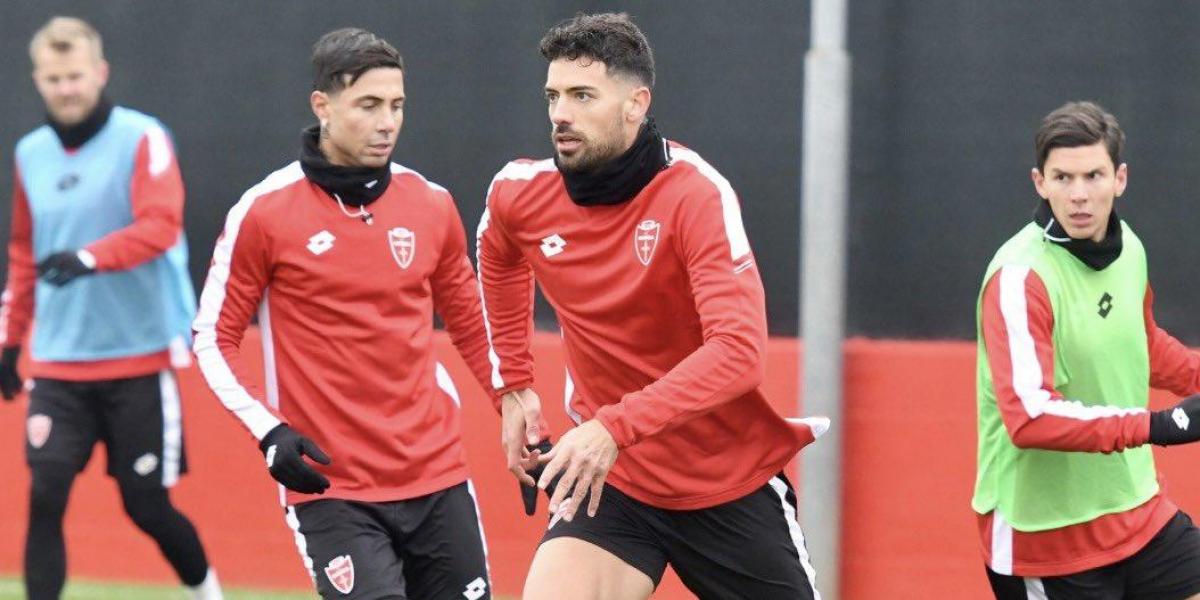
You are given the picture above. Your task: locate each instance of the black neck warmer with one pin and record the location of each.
(356, 186)
(621, 178)
(1096, 255)
(74, 136)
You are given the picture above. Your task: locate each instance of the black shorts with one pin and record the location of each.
(139, 419)
(426, 548)
(750, 548)
(1168, 568)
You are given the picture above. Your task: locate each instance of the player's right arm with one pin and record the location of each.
(240, 271)
(1017, 328)
(232, 292)
(16, 304)
(506, 293)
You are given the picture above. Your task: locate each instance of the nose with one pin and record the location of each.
(389, 122)
(560, 114)
(66, 88)
(1078, 191)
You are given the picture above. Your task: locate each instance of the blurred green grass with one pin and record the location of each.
(11, 589)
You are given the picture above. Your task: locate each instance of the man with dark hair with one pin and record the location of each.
(637, 242)
(97, 255)
(344, 255)
(1068, 500)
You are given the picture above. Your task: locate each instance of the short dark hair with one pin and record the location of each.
(610, 38)
(341, 56)
(1079, 124)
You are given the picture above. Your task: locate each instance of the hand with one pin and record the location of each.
(1177, 425)
(529, 492)
(61, 268)
(584, 456)
(10, 380)
(520, 415)
(285, 449)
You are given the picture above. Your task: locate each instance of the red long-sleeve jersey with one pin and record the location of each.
(346, 310)
(663, 321)
(1070, 426)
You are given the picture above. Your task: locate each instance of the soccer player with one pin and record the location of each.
(344, 255)
(97, 255)
(638, 244)
(1067, 497)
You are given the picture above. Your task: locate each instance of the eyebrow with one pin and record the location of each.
(1058, 171)
(578, 88)
(374, 98)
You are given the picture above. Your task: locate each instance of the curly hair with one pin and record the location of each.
(611, 38)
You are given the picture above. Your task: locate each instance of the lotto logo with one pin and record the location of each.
(553, 244)
(321, 242)
(1181, 419)
(476, 589)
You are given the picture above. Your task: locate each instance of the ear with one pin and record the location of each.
(637, 105)
(103, 69)
(1122, 178)
(319, 101)
(1039, 182)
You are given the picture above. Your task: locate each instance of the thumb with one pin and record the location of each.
(533, 424)
(310, 448)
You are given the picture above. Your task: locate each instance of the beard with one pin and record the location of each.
(592, 152)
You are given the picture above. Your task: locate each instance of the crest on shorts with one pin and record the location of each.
(645, 240)
(404, 244)
(340, 572)
(37, 428)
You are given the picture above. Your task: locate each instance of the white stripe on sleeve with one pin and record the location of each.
(1026, 370)
(731, 212)
(212, 363)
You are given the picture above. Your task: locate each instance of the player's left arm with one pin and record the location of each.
(1173, 366)
(156, 195)
(729, 299)
(456, 299)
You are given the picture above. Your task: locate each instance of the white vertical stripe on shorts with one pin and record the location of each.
(1034, 590)
(172, 416)
(293, 522)
(789, 515)
(482, 537)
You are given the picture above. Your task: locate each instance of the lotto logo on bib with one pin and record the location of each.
(37, 429)
(340, 572)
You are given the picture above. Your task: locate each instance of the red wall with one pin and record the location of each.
(908, 469)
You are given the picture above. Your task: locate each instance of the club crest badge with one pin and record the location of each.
(37, 428)
(645, 240)
(404, 245)
(340, 572)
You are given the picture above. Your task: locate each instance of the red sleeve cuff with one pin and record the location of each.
(608, 417)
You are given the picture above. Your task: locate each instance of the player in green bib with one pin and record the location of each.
(1066, 492)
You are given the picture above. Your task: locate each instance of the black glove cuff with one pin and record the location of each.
(1177, 425)
(273, 436)
(9, 356)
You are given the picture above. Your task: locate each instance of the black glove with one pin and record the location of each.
(1178, 425)
(10, 380)
(285, 450)
(61, 268)
(529, 494)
